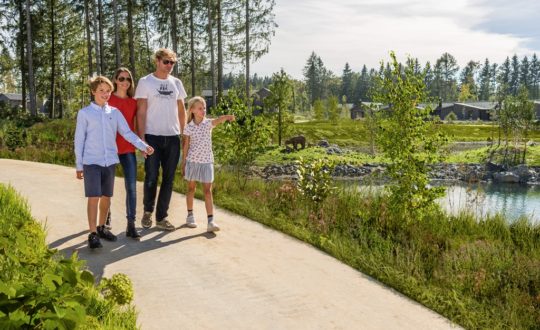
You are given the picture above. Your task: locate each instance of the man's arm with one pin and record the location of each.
(142, 106)
(181, 115)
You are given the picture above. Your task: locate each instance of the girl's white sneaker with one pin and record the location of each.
(212, 226)
(190, 222)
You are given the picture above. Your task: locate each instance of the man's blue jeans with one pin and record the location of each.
(129, 165)
(166, 155)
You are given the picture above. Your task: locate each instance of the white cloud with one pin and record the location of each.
(363, 32)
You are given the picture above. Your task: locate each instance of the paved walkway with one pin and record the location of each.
(245, 277)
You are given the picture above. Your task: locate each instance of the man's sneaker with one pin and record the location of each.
(146, 220)
(165, 225)
(93, 241)
(190, 221)
(212, 226)
(105, 234)
(108, 223)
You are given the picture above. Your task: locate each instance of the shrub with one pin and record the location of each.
(451, 117)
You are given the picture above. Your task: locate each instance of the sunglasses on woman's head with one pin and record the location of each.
(122, 79)
(167, 62)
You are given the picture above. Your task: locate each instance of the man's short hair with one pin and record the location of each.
(164, 52)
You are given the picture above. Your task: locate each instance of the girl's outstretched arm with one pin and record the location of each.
(222, 119)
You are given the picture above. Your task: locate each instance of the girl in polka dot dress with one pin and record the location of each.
(198, 158)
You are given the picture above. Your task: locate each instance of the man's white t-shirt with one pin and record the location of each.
(162, 96)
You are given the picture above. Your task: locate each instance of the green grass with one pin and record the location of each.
(275, 156)
(41, 289)
(353, 133)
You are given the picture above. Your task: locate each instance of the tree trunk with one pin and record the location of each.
(174, 33)
(96, 39)
(116, 33)
(52, 100)
(31, 84)
(22, 63)
(220, 53)
(148, 53)
(212, 60)
(88, 36)
(131, 38)
(280, 128)
(247, 60)
(192, 46)
(101, 39)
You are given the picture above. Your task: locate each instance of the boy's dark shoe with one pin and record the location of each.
(132, 232)
(105, 233)
(108, 223)
(93, 241)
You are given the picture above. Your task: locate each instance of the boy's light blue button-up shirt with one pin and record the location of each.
(95, 136)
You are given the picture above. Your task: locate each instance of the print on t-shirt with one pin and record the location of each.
(164, 91)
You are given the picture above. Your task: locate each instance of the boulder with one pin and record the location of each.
(506, 177)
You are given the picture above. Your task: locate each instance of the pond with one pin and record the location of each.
(510, 200)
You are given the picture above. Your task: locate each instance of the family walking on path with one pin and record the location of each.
(156, 110)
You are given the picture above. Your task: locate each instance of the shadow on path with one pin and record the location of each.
(124, 247)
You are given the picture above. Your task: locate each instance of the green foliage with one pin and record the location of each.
(409, 141)
(118, 289)
(40, 289)
(516, 118)
(315, 181)
(465, 94)
(318, 110)
(276, 156)
(238, 143)
(451, 117)
(281, 98)
(13, 136)
(333, 109)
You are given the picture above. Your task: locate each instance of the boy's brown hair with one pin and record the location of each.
(94, 82)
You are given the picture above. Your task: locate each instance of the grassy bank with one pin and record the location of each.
(41, 290)
(353, 133)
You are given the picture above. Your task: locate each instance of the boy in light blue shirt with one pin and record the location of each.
(96, 155)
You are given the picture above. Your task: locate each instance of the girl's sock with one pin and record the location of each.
(189, 213)
(210, 218)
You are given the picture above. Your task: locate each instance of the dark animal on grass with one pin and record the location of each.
(296, 141)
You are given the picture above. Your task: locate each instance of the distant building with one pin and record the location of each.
(359, 110)
(466, 110)
(207, 95)
(14, 100)
(474, 110)
(537, 109)
(258, 101)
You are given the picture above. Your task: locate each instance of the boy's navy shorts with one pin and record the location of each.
(98, 180)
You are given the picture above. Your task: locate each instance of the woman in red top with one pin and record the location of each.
(123, 100)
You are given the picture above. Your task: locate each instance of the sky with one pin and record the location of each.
(365, 31)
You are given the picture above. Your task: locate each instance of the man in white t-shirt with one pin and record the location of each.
(161, 117)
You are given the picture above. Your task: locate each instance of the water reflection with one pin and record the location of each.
(482, 199)
(511, 200)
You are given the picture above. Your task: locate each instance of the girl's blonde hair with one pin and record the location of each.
(131, 89)
(191, 103)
